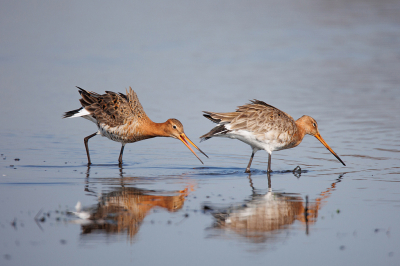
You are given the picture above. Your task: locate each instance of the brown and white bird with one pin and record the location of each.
(121, 118)
(263, 127)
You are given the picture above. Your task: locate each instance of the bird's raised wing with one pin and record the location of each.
(112, 108)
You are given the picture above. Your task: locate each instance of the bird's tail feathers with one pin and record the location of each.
(208, 115)
(216, 131)
(76, 113)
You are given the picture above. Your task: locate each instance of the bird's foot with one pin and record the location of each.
(297, 169)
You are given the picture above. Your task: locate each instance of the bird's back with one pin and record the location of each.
(119, 117)
(260, 117)
(263, 121)
(113, 109)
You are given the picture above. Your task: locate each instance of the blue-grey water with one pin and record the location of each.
(337, 61)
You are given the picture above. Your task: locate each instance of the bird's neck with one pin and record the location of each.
(300, 133)
(153, 129)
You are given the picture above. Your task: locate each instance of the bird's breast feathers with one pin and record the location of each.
(272, 140)
(126, 133)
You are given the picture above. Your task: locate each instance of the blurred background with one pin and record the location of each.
(337, 61)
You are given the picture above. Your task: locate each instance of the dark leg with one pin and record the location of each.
(251, 160)
(251, 184)
(269, 163)
(86, 146)
(269, 180)
(120, 154)
(121, 174)
(306, 214)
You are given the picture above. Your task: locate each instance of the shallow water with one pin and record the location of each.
(336, 61)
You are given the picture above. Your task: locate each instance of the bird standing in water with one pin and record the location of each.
(121, 118)
(263, 127)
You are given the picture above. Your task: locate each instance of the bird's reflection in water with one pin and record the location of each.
(123, 208)
(265, 215)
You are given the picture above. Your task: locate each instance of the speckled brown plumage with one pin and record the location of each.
(121, 118)
(112, 109)
(263, 127)
(257, 117)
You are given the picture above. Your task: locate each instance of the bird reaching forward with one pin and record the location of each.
(121, 118)
(263, 127)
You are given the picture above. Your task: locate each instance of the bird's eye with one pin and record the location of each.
(174, 126)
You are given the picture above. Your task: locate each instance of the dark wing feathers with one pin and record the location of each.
(255, 101)
(209, 116)
(134, 103)
(123, 96)
(112, 108)
(223, 118)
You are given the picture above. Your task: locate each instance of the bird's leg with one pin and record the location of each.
(269, 181)
(120, 154)
(269, 163)
(251, 160)
(85, 140)
(251, 184)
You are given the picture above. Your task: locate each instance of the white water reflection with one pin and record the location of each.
(122, 207)
(123, 210)
(265, 217)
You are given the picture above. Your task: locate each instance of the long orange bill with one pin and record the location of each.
(318, 136)
(185, 140)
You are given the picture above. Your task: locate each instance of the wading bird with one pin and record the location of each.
(121, 118)
(263, 127)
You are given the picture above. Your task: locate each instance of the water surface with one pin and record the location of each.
(335, 61)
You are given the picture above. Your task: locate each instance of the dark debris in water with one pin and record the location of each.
(206, 208)
(14, 223)
(296, 171)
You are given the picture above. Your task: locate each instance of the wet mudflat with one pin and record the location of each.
(335, 61)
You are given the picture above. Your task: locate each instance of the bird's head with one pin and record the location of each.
(174, 128)
(311, 127)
